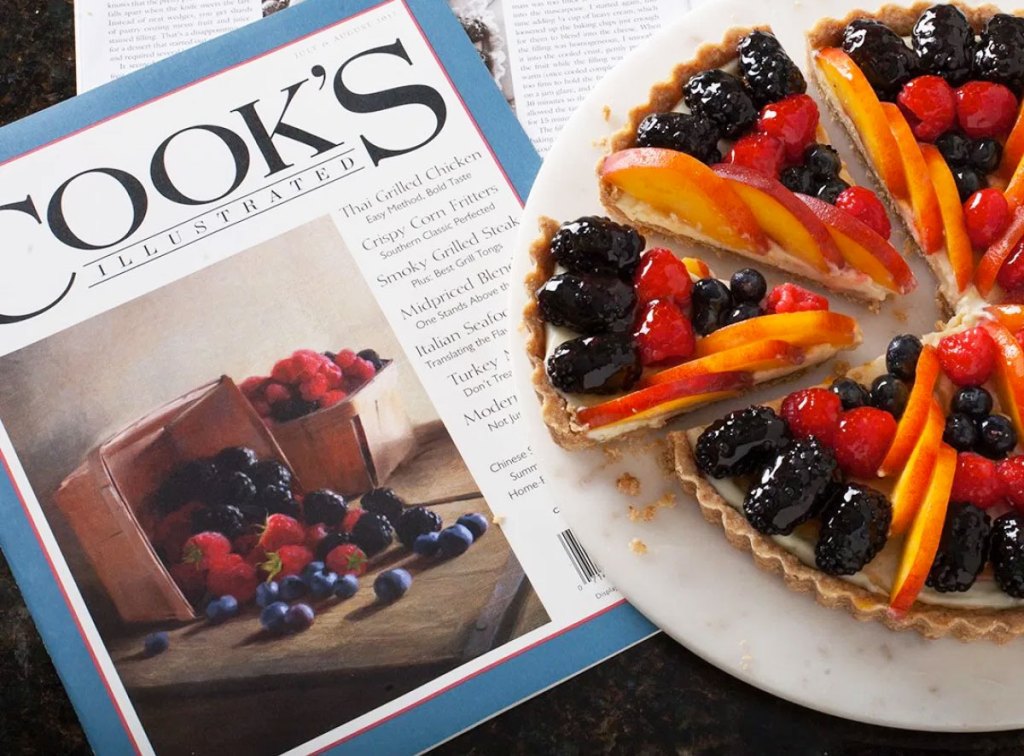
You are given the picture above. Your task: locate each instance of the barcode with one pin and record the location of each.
(585, 567)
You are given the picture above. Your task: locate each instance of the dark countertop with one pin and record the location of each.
(655, 698)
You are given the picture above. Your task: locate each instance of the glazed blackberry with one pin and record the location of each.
(854, 526)
(973, 401)
(693, 134)
(192, 481)
(324, 506)
(955, 148)
(603, 364)
(587, 303)
(270, 472)
(851, 393)
(769, 72)
(741, 312)
(234, 489)
(740, 442)
(985, 155)
(710, 300)
(830, 189)
(593, 244)
(371, 356)
(968, 181)
(227, 520)
(960, 432)
(1006, 550)
(723, 99)
(944, 43)
(747, 285)
(791, 489)
(384, 501)
(822, 161)
(889, 393)
(963, 549)
(887, 63)
(1000, 53)
(414, 522)
(996, 436)
(901, 356)
(372, 533)
(240, 458)
(330, 542)
(278, 500)
(799, 179)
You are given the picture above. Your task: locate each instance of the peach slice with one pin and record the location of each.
(994, 257)
(697, 267)
(1015, 186)
(864, 109)
(665, 398)
(769, 354)
(801, 329)
(785, 219)
(958, 243)
(1010, 315)
(1009, 373)
(1013, 150)
(675, 183)
(916, 413)
(922, 541)
(912, 483)
(924, 203)
(863, 248)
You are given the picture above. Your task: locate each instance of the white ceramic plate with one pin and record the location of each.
(701, 591)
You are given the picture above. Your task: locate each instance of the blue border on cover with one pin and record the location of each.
(468, 702)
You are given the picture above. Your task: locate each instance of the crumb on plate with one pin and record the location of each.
(637, 546)
(628, 484)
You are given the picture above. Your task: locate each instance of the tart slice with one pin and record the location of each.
(729, 152)
(896, 492)
(931, 97)
(623, 339)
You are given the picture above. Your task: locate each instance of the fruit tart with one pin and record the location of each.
(931, 96)
(622, 338)
(729, 152)
(896, 492)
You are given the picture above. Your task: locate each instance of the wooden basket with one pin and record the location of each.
(356, 444)
(107, 500)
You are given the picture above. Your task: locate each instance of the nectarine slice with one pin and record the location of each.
(908, 430)
(675, 183)
(697, 267)
(769, 354)
(958, 243)
(994, 257)
(1010, 315)
(923, 202)
(1013, 150)
(912, 483)
(1009, 373)
(801, 329)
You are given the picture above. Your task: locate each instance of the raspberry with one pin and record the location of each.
(233, 576)
(306, 364)
(276, 392)
(1011, 473)
(173, 532)
(332, 397)
(789, 297)
(976, 481)
(344, 358)
(813, 412)
(987, 214)
(203, 549)
(665, 334)
(862, 440)
(285, 371)
(314, 388)
(985, 109)
(793, 121)
(347, 559)
(929, 105)
(191, 580)
(968, 357)
(662, 275)
(1011, 274)
(287, 560)
(360, 370)
(253, 386)
(281, 530)
(864, 205)
(759, 152)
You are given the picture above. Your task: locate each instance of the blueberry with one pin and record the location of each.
(298, 618)
(972, 400)
(322, 584)
(830, 190)
(221, 609)
(799, 179)
(310, 570)
(985, 155)
(960, 432)
(741, 312)
(454, 540)
(901, 356)
(293, 587)
(391, 585)
(267, 594)
(747, 285)
(955, 148)
(996, 436)
(426, 544)
(475, 523)
(711, 299)
(156, 643)
(272, 617)
(967, 181)
(346, 586)
(822, 161)
(850, 393)
(889, 393)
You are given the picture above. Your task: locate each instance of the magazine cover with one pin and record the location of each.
(266, 489)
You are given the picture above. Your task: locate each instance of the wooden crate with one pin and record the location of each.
(356, 444)
(108, 499)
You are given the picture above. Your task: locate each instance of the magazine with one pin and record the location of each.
(266, 489)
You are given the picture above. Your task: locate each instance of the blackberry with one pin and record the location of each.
(415, 522)
(822, 161)
(291, 409)
(693, 134)
(889, 393)
(741, 312)
(372, 533)
(587, 303)
(324, 506)
(830, 189)
(996, 436)
(985, 155)
(967, 181)
(1006, 550)
(854, 526)
(850, 393)
(747, 285)
(944, 43)
(189, 482)
(740, 442)
(227, 520)
(240, 458)
(593, 244)
(955, 148)
(1000, 53)
(710, 300)
(270, 472)
(330, 542)
(723, 99)
(234, 489)
(973, 401)
(603, 364)
(384, 501)
(901, 356)
(371, 356)
(791, 488)
(963, 549)
(960, 432)
(254, 513)
(278, 500)
(887, 63)
(799, 179)
(768, 71)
